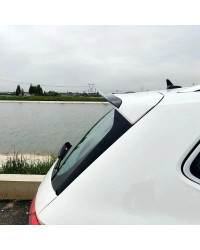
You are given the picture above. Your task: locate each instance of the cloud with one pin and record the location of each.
(112, 57)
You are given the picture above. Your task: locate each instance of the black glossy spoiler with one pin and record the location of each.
(114, 100)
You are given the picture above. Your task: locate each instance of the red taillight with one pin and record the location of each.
(33, 220)
(32, 214)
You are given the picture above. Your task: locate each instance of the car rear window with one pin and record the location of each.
(99, 138)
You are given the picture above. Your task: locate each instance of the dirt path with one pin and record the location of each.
(14, 212)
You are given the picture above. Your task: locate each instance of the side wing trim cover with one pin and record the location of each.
(114, 100)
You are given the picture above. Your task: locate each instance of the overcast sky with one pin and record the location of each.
(112, 57)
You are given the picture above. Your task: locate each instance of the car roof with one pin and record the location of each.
(181, 90)
(133, 106)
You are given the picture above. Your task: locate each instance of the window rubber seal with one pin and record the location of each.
(185, 167)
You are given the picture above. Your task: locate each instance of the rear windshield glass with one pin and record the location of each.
(100, 137)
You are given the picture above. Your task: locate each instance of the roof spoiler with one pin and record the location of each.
(114, 100)
(171, 86)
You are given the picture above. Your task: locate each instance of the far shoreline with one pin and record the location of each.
(54, 102)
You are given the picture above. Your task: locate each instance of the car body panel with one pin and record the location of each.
(45, 192)
(135, 105)
(190, 89)
(133, 108)
(138, 180)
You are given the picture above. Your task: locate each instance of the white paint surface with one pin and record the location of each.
(137, 180)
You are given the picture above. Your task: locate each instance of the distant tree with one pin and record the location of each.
(39, 90)
(22, 92)
(30, 89)
(35, 90)
(53, 93)
(18, 90)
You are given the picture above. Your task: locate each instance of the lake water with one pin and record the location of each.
(44, 128)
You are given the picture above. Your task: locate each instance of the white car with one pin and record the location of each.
(140, 164)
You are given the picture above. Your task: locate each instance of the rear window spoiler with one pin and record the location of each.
(114, 100)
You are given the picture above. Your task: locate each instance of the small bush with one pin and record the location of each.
(18, 164)
(53, 98)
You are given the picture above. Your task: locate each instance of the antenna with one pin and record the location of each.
(171, 86)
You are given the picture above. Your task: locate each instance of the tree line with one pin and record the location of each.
(33, 90)
(38, 91)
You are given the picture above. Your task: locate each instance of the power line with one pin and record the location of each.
(13, 81)
(64, 86)
(90, 87)
(46, 85)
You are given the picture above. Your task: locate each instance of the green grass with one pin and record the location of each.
(53, 98)
(20, 165)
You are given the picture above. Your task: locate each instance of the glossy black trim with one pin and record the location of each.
(186, 158)
(170, 85)
(195, 167)
(114, 100)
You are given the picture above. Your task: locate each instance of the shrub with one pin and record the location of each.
(18, 164)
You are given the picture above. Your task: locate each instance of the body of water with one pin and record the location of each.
(43, 128)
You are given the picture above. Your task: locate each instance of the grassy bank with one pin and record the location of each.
(52, 98)
(19, 164)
